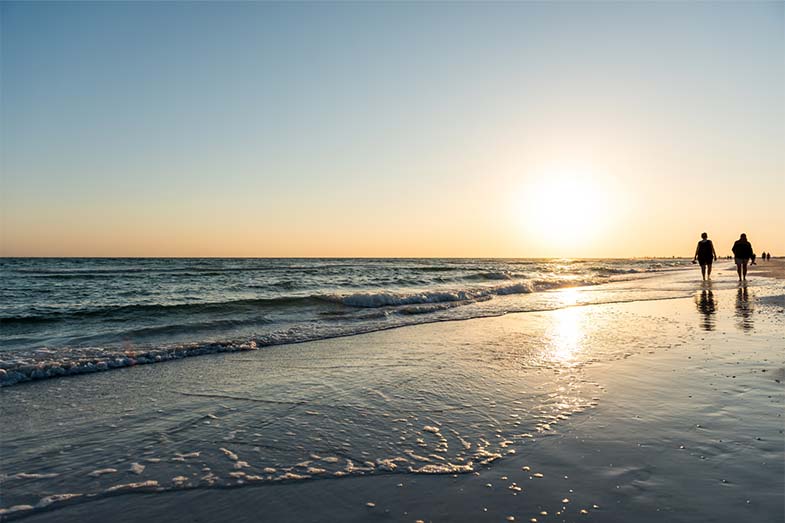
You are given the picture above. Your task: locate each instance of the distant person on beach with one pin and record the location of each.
(763, 256)
(705, 255)
(742, 252)
(768, 256)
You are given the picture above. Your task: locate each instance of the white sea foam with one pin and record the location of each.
(134, 486)
(56, 498)
(386, 299)
(229, 454)
(291, 476)
(15, 508)
(443, 468)
(390, 464)
(26, 475)
(101, 472)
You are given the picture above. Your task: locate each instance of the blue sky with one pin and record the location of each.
(390, 129)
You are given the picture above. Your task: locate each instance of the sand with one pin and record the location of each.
(774, 268)
(660, 410)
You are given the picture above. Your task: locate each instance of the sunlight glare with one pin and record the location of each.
(565, 210)
(566, 336)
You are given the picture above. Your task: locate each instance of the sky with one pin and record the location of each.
(390, 129)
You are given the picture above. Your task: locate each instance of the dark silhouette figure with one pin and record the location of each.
(763, 256)
(768, 256)
(743, 309)
(707, 306)
(742, 252)
(705, 255)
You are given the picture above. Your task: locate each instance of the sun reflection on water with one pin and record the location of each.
(568, 296)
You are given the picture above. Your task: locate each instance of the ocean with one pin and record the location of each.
(64, 316)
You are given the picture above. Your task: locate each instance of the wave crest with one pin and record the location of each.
(388, 299)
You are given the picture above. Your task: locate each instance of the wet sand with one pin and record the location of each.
(774, 268)
(663, 410)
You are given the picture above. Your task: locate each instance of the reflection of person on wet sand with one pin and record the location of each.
(742, 251)
(705, 254)
(707, 306)
(744, 309)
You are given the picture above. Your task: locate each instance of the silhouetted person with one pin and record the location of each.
(763, 256)
(705, 254)
(742, 252)
(768, 256)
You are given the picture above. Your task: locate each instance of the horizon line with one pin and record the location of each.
(348, 257)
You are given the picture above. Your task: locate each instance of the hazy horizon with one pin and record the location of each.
(653, 257)
(390, 130)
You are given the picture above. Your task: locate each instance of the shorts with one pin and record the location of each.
(706, 261)
(742, 261)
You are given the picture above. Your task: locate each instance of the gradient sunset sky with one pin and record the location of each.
(391, 129)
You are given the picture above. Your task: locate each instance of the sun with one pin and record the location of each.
(565, 211)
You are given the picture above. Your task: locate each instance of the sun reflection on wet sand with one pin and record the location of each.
(566, 336)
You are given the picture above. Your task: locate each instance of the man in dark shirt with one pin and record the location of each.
(742, 251)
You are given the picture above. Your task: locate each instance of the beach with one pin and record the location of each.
(649, 399)
(772, 268)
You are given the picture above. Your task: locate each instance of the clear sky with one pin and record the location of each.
(390, 129)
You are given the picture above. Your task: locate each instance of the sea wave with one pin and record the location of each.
(56, 315)
(616, 270)
(386, 299)
(502, 275)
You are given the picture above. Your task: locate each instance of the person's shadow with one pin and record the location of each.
(743, 309)
(707, 306)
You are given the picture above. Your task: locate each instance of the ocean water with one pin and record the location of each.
(75, 315)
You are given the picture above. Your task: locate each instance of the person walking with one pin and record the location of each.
(743, 253)
(705, 255)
